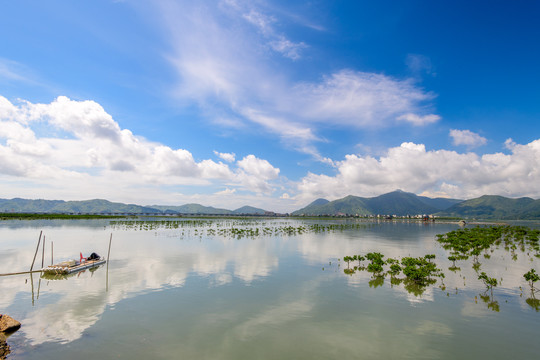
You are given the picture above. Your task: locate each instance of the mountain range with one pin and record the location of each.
(398, 203)
(99, 206)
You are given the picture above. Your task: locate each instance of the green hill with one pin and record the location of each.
(399, 203)
(96, 206)
(313, 208)
(439, 203)
(394, 203)
(250, 210)
(495, 207)
(192, 209)
(347, 205)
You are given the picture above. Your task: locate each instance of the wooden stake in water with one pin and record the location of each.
(107, 275)
(32, 282)
(39, 286)
(37, 248)
(43, 252)
(52, 251)
(109, 252)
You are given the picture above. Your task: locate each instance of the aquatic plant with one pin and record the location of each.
(488, 281)
(420, 270)
(531, 276)
(376, 265)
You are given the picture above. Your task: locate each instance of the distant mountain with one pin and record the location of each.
(96, 206)
(439, 203)
(348, 205)
(399, 203)
(250, 210)
(192, 209)
(316, 207)
(320, 202)
(18, 205)
(495, 207)
(394, 203)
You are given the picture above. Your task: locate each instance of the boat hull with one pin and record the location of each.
(58, 269)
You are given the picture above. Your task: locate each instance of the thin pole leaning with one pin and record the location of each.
(37, 248)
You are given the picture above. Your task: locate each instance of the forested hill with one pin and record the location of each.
(96, 206)
(99, 206)
(495, 207)
(394, 203)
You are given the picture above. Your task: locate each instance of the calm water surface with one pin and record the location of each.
(189, 291)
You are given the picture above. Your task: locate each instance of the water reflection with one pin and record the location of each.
(264, 285)
(64, 306)
(534, 303)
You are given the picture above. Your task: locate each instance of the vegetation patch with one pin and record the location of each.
(416, 274)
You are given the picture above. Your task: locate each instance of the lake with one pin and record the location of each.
(257, 289)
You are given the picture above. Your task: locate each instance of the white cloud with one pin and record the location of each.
(467, 137)
(447, 173)
(418, 120)
(91, 156)
(261, 21)
(225, 66)
(277, 42)
(227, 191)
(11, 70)
(288, 48)
(361, 99)
(259, 167)
(228, 157)
(255, 173)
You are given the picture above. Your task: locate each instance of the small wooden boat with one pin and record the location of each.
(71, 266)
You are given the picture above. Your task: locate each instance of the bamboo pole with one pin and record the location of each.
(21, 273)
(39, 286)
(43, 252)
(52, 252)
(107, 274)
(32, 280)
(37, 248)
(109, 252)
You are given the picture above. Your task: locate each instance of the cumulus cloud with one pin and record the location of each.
(228, 157)
(255, 173)
(447, 173)
(467, 137)
(259, 167)
(91, 154)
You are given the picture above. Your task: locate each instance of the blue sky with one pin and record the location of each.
(268, 103)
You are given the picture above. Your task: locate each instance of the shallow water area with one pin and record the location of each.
(256, 288)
